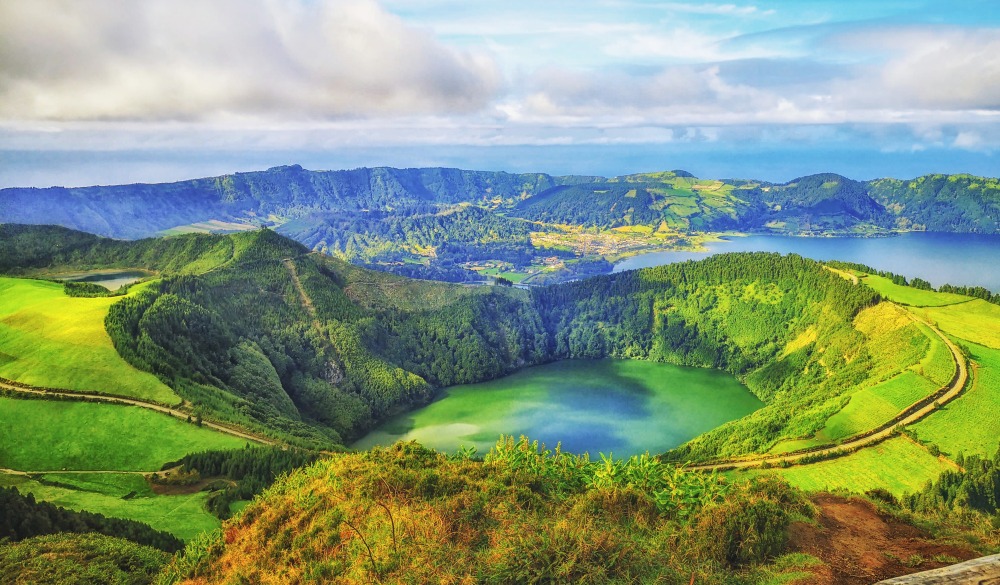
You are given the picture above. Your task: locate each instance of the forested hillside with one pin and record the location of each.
(255, 330)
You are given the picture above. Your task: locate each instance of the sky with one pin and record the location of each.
(121, 91)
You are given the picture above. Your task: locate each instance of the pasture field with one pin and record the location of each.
(977, 321)
(50, 339)
(907, 295)
(938, 365)
(184, 516)
(515, 277)
(873, 406)
(44, 435)
(969, 423)
(898, 465)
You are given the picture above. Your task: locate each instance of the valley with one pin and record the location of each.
(735, 372)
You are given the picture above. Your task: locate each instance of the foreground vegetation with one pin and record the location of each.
(523, 514)
(70, 558)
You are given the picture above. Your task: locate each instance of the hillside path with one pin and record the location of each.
(908, 416)
(84, 397)
(306, 301)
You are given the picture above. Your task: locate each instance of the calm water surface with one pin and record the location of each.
(960, 259)
(108, 279)
(622, 406)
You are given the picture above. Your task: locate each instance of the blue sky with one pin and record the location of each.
(107, 91)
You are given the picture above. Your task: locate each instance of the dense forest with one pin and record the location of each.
(250, 470)
(254, 330)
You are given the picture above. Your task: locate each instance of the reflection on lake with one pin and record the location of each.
(960, 259)
(109, 279)
(621, 406)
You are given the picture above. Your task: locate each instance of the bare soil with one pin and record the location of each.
(859, 546)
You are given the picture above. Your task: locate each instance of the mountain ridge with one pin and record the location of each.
(293, 191)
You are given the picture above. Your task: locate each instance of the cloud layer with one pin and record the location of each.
(297, 75)
(192, 59)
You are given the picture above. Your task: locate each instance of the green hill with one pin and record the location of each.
(255, 331)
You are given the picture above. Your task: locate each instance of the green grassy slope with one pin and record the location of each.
(184, 516)
(907, 295)
(969, 424)
(52, 340)
(873, 406)
(975, 321)
(52, 435)
(898, 465)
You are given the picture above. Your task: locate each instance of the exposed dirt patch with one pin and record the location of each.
(166, 489)
(859, 546)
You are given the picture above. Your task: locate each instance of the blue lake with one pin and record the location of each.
(960, 259)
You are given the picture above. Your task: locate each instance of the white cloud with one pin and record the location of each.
(968, 140)
(934, 68)
(718, 9)
(188, 59)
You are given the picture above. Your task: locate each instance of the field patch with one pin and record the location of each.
(898, 465)
(907, 295)
(53, 340)
(874, 406)
(184, 516)
(968, 424)
(975, 321)
(49, 435)
(938, 365)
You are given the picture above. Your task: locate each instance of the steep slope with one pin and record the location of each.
(256, 331)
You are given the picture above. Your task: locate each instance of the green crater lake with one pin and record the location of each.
(625, 407)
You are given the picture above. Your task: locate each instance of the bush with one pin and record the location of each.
(750, 525)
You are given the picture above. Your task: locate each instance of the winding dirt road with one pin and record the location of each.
(908, 416)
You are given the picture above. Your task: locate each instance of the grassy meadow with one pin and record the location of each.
(50, 339)
(907, 295)
(898, 465)
(873, 406)
(184, 516)
(968, 424)
(977, 321)
(43, 435)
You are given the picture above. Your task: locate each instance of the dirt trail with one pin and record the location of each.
(908, 416)
(860, 546)
(843, 274)
(83, 396)
(306, 301)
